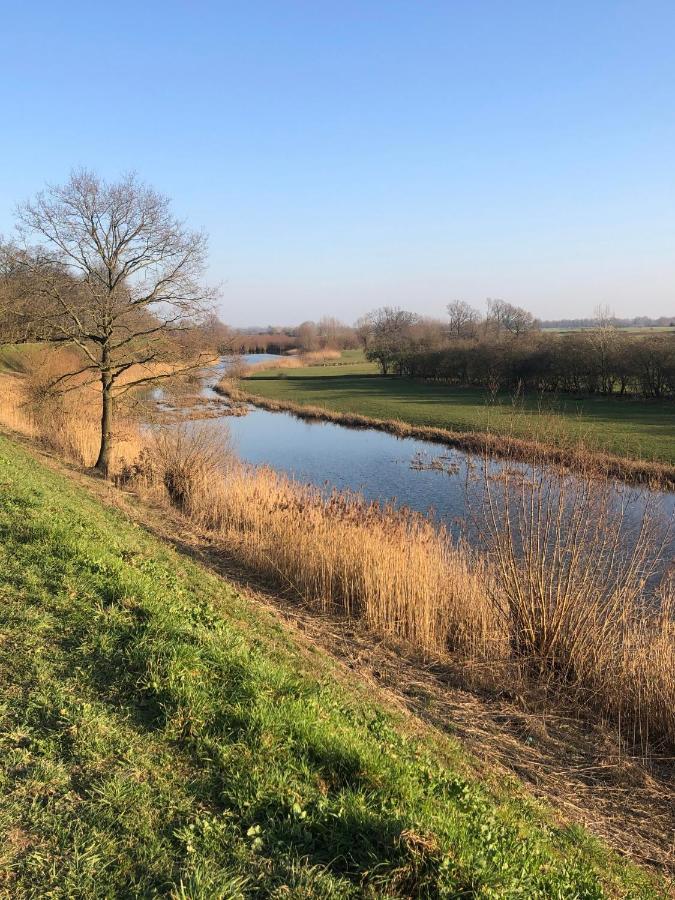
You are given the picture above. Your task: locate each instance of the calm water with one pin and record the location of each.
(251, 358)
(379, 465)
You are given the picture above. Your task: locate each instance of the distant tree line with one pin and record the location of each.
(326, 334)
(635, 322)
(507, 350)
(263, 342)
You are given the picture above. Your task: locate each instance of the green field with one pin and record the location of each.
(622, 329)
(633, 428)
(161, 736)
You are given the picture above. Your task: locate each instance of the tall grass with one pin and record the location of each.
(63, 415)
(14, 413)
(391, 567)
(296, 361)
(577, 588)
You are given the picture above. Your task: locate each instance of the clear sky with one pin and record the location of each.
(345, 154)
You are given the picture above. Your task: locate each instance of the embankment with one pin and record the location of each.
(161, 736)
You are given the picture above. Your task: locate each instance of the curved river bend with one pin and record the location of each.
(379, 465)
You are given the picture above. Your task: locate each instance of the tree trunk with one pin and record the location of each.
(103, 461)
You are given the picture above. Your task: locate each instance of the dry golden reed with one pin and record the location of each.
(238, 368)
(579, 587)
(63, 415)
(393, 568)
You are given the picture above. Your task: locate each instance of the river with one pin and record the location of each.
(379, 465)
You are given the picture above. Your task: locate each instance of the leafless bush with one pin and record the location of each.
(237, 367)
(188, 458)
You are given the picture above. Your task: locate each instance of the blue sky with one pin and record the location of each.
(344, 155)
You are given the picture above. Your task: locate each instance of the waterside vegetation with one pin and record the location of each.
(414, 582)
(402, 577)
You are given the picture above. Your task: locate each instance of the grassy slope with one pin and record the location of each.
(159, 736)
(640, 429)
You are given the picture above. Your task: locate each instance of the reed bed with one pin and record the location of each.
(14, 413)
(67, 419)
(294, 361)
(562, 593)
(393, 568)
(581, 586)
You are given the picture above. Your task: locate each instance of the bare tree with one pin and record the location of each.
(519, 321)
(113, 272)
(10, 289)
(604, 338)
(503, 316)
(308, 336)
(211, 334)
(463, 318)
(603, 317)
(334, 334)
(496, 310)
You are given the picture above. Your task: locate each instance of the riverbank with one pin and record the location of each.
(194, 744)
(164, 735)
(273, 393)
(626, 427)
(604, 642)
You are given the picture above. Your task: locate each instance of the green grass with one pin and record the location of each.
(160, 736)
(632, 428)
(352, 357)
